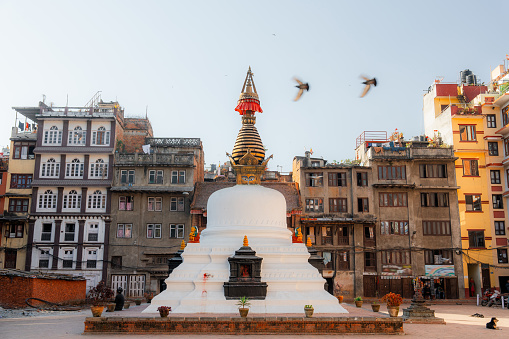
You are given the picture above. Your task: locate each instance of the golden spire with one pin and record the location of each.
(245, 243)
(182, 245)
(309, 244)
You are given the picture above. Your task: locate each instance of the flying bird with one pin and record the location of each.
(301, 86)
(368, 82)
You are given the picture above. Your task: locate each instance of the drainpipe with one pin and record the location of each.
(353, 233)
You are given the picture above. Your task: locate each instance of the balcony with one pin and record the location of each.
(174, 142)
(154, 159)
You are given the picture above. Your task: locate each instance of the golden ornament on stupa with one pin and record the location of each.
(245, 242)
(309, 244)
(182, 245)
(248, 155)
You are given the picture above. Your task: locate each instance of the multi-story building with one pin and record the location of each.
(465, 116)
(417, 222)
(70, 214)
(18, 193)
(150, 212)
(338, 216)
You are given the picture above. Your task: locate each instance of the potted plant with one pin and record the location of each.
(308, 309)
(127, 305)
(393, 301)
(137, 301)
(243, 304)
(358, 301)
(98, 296)
(149, 295)
(164, 311)
(375, 306)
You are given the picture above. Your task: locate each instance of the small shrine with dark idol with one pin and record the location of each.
(245, 275)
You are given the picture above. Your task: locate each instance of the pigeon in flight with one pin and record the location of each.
(368, 82)
(301, 86)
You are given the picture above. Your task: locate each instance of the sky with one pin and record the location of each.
(184, 63)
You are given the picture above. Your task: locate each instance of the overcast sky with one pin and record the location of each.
(186, 61)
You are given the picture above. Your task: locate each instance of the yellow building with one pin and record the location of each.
(18, 196)
(464, 116)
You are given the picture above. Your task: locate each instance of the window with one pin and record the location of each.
(327, 235)
(155, 177)
(92, 259)
(116, 262)
(97, 200)
(369, 236)
(369, 261)
(396, 258)
(394, 227)
(438, 257)
(497, 201)
(99, 169)
(391, 172)
(44, 258)
(337, 205)
(18, 205)
(473, 202)
(506, 147)
(505, 115)
(491, 121)
(16, 230)
(74, 168)
(393, 199)
(362, 205)
(434, 199)
(127, 176)
(70, 231)
(153, 231)
(493, 148)
(72, 200)
(337, 179)
(314, 205)
(93, 232)
(68, 257)
(178, 177)
(499, 227)
(53, 136)
(23, 150)
(50, 169)
(177, 204)
(470, 168)
(314, 179)
(343, 260)
(77, 137)
(48, 200)
(476, 239)
(177, 231)
(125, 203)
(467, 133)
(433, 171)
(21, 181)
(436, 228)
(495, 176)
(46, 231)
(155, 204)
(343, 235)
(101, 136)
(502, 255)
(362, 179)
(124, 230)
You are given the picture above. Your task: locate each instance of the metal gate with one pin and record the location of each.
(133, 285)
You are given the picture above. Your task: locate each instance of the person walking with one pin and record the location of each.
(471, 287)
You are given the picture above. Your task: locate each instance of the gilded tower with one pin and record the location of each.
(248, 156)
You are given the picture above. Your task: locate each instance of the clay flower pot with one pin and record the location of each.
(137, 302)
(164, 314)
(111, 307)
(358, 303)
(127, 305)
(393, 310)
(375, 307)
(97, 310)
(309, 312)
(243, 311)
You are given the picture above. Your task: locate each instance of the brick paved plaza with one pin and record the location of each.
(458, 319)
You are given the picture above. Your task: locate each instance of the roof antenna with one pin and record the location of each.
(146, 112)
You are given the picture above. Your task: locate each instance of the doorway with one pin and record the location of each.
(474, 272)
(503, 280)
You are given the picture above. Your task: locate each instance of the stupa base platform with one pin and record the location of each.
(250, 325)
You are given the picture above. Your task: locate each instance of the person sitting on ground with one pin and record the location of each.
(119, 300)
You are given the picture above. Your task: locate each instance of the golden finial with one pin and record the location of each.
(182, 245)
(309, 244)
(245, 244)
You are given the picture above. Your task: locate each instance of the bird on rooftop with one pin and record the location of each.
(301, 86)
(368, 82)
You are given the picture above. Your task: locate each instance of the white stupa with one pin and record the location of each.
(247, 209)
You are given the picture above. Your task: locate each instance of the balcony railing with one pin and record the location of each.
(174, 142)
(154, 159)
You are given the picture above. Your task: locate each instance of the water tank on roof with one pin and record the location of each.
(464, 74)
(471, 79)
